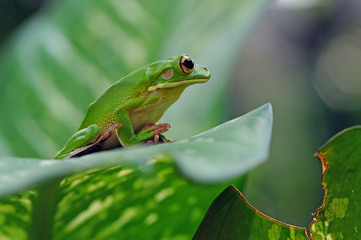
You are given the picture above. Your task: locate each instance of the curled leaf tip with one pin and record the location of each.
(322, 157)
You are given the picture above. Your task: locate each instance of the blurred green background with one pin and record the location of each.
(302, 56)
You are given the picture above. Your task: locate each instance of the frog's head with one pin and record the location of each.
(174, 72)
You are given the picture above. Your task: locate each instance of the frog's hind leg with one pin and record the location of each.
(81, 138)
(85, 141)
(103, 142)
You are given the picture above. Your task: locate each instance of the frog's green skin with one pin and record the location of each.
(132, 103)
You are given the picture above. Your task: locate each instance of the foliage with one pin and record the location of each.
(70, 52)
(339, 215)
(231, 217)
(64, 57)
(114, 194)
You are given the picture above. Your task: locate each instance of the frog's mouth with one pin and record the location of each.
(176, 84)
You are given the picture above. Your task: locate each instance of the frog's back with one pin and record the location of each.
(102, 110)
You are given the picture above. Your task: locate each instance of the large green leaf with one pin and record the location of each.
(339, 215)
(218, 154)
(231, 217)
(124, 190)
(71, 51)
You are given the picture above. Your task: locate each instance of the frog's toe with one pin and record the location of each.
(157, 128)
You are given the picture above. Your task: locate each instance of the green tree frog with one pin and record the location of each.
(126, 113)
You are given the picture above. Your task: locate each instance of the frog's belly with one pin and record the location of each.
(144, 116)
(111, 142)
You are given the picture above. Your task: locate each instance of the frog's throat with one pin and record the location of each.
(176, 84)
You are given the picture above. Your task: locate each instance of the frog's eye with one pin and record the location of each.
(167, 74)
(186, 64)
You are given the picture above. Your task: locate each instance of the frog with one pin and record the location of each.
(126, 113)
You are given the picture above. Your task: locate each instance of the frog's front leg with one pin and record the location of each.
(80, 139)
(125, 133)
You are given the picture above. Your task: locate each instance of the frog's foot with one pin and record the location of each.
(149, 132)
(158, 138)
(157, 130)
(165, 139)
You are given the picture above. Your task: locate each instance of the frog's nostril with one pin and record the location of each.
(205, 68)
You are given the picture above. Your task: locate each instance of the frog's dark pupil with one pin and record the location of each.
(188, 63)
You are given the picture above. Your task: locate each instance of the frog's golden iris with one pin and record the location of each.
(186, 64)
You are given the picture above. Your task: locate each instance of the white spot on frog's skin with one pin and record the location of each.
(336, 209)
(327, 223)
(164, 194)
(150, 219)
